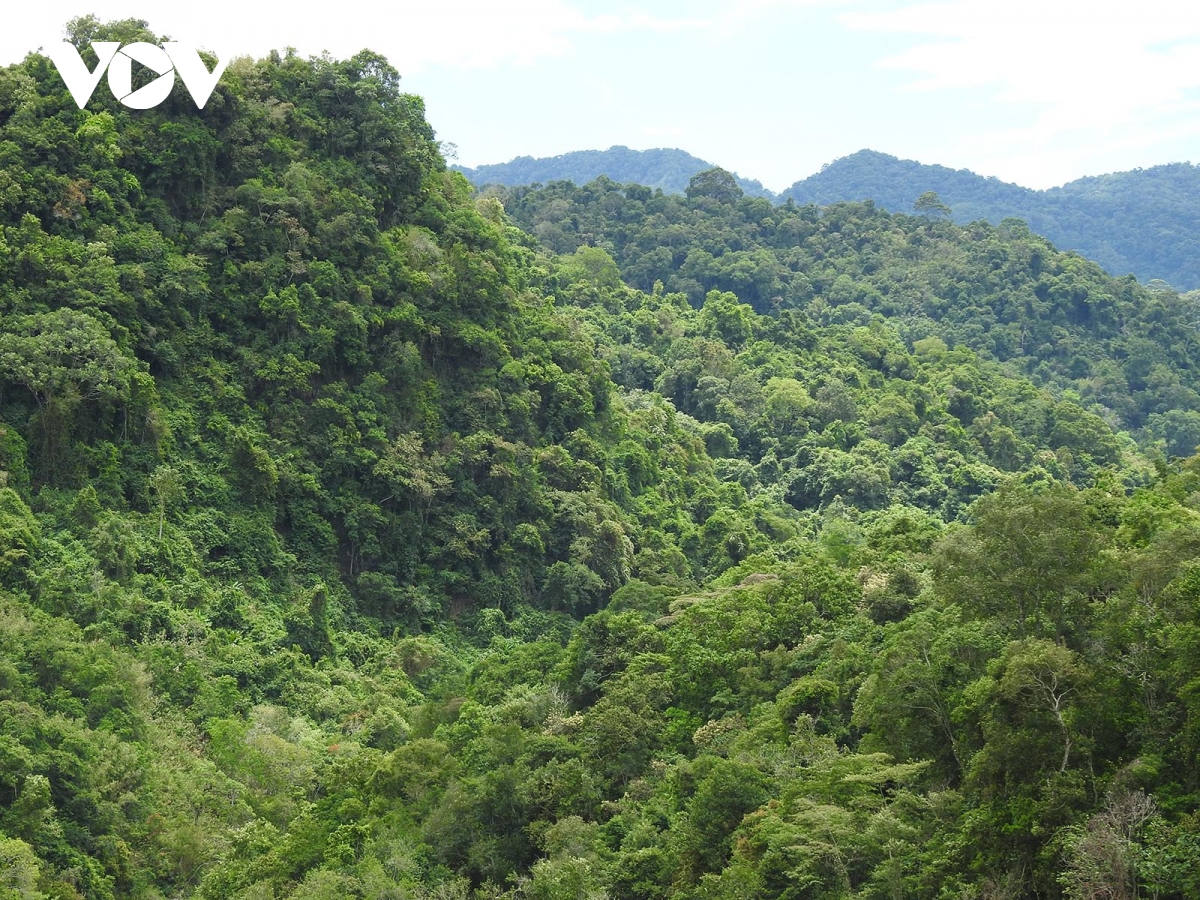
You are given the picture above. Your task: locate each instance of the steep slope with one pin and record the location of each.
(274, 393)
(1144, 222)
(666, 170)
(294, 315)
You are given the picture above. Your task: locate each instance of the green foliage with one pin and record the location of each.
(715, 183)
(1031, 559)
(1000, 290)
(352, 544)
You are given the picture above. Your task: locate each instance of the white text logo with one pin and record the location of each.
(165, 61)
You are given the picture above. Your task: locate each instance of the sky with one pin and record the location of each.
(1037, 92)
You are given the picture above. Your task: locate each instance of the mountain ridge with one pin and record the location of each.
(669, 168)
(1141, 222)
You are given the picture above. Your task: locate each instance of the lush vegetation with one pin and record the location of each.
(356, 543)
(1127, 353)
(669, 170)
(1144, 221)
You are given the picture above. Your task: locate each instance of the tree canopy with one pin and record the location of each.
(356, 542)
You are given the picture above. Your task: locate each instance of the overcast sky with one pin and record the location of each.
(1033, 91)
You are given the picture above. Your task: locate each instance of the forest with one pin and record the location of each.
(364, 535)
(1142, 222)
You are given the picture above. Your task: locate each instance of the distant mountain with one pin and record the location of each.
(669, 170)
(895, 183)
(1146, 221)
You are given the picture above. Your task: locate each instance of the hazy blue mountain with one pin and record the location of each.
(1145, 221)
(669, 170)
(895, 183)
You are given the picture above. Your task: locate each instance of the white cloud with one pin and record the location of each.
(1086, 71)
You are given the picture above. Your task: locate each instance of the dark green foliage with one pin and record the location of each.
(1124, 352)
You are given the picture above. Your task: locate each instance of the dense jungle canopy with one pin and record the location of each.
(362, 535)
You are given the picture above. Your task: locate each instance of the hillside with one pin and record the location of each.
(666, 170)
(357, 543)
(1143, 222)
(1003, 291)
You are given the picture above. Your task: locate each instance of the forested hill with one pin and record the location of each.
(1129, 352)
(895, 184)
(668, 170)
(1145, 221)
(355, 543)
